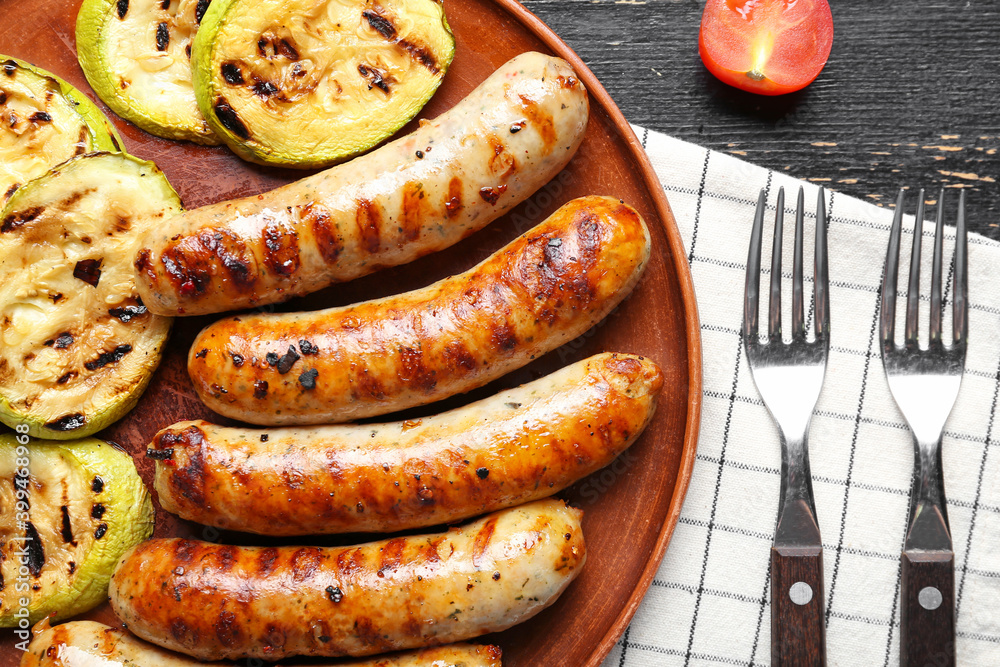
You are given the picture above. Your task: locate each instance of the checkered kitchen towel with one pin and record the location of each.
(710, 601)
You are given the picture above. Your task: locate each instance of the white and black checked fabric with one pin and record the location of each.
(710, 601)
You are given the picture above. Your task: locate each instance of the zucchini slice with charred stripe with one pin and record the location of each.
(44, 121)
(77, 346)
(308, 83)
(64, 526)
(137, 57)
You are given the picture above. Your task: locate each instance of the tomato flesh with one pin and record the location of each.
(771, 47)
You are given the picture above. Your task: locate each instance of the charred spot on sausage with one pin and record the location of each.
(260, 391)
(122, 8)
(285, 363)
(308, 378)
(160, 454)
(307, 348)
(201, 354)
(335, 594)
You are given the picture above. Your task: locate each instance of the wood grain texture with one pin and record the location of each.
(798, 631)
(927, 636)
(909, 96)
(632, 506)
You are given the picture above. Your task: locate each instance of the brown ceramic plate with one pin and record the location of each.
(632, 506)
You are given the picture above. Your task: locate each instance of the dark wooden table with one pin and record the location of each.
(910, 96)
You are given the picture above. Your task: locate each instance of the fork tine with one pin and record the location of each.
(960, 298)
(774, 309)
(913, 297)
(935, 332)
(887, 311)
(798, 309)
(750, 294)
(821, 284)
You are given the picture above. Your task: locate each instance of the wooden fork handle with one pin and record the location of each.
(798, 627)
(927, 609)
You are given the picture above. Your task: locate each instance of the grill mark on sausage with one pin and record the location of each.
(188, 480)
(369, 386)
(459, 356)
(369, 221)
(189, 262)
(17, 219)
(368, 633)
(414, 372)
(227, 629)
(11, 190)
(413, 205)
(324, 231)
(350, 563)
(453, 202)
(226, 557)
(391, 556)
(304, 563)
(281, 248)
(265, 561)
(481, 542)
(541, 119)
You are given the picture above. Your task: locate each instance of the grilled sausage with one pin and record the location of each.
(543, 289)
(520, 445)
(214, 602)
(416, 195)
(90, 644)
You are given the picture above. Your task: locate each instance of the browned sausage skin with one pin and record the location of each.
(546, 287)
(520, 445)
(214, 601)
(90, 644)
(413, 196)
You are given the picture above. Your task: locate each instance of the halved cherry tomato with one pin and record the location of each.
(771, 47)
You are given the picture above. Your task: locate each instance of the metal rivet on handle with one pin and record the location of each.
(801, 593)
(930, 598)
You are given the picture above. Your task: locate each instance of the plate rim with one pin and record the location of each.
(692, 323)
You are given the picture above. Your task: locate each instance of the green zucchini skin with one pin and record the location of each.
(78, 346)
(136, 56)
(311, 83)
(47, 121)
(80, 508)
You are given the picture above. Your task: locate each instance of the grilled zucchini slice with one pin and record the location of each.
(137, 57)
(77, 347)
(308, 83)
(80, 508)
(44, 121)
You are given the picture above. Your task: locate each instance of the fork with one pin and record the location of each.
(925, 383)
(789, 377)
